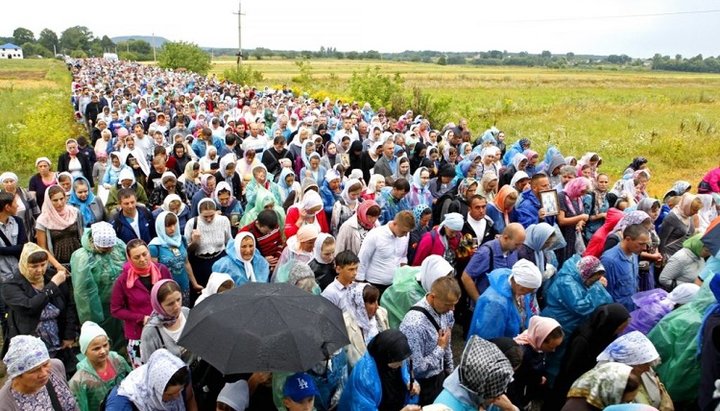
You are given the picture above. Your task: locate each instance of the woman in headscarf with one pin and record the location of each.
(431, 161)
(207, 189)
(376, 184)
(481, 379)
(346, 207)
(244, 167)
(82, 198)
(323, 262)
(181, 157)
(442, 240)
(518, 148)
(217, 284)
(466, 191)
(708, 212)
(42, 180)
(39, 301)
(596, 205)
(679, 225)
(519, 162)
(593, 161)
(112, 172)
(628, 219)
(539, 242)
(403, 169)
(207, 161)
(637, 164)
(543, 336)
(369, 158)
(684, 266)
(313, 169)
(259, 179)
(465, 168)
(572, 216)
(264, 201)
(355, 157)
(130, 301)
(605, 385)
(500, 208)
(34, 381)
(520, 181)
(635, 350)
(168, 186)
(532, 166)
(418, 155)
(596, 245)
(26, 203)
(287, 184)
(423, 217)
(163, 384)
(175, 205)
(330, 156)
(303, 160)
(166, 323)
(190, 180)
(299, 249)
(505, 308)
(169, 249)
(243, 261)
(353, 231)
(99, 369)
(410, 285)
(229, 206)
(585, 344)
(364, 319)
(59, 227)
(136, 161)
(381, 379)
(75, 163)
(419, 189)
(226, 173)
(308, 211)
(488, 186)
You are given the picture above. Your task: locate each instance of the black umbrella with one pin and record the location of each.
(264, 327)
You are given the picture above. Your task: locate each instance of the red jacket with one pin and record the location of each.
(131, 305)
(430, 243)
(293, 214)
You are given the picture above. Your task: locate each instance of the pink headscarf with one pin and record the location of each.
(576, 187)
(537, 332)
(56, 220)
(362, 214)
(157, 307)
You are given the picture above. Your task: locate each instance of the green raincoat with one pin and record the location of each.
(93, 277)
(264, 199)
(87, 387)
(404, 292)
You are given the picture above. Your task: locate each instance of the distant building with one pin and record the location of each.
(110, 56)
(10, 51)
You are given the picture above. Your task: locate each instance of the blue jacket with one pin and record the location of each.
(328, 197)
(621, 272)
(497, 217)
(363, 391)
(568, 300)
(526, 213)
(145, 222)
(495, 314)
(233, 266)
(199, 146)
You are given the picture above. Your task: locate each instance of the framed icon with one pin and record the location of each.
(549, 200)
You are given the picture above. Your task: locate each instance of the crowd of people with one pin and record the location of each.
(569, 292)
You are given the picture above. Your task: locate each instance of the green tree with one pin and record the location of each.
(244, 75)
(22, 35)
(107, 44)
(31, 50)
(442, 61)
(181, 54)
(374, 87)
(546, 54)
(49, 40)
(76, 38)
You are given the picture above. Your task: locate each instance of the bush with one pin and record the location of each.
(243, 75)
(374, 87)
(436, 111)
(175, 55)
(78, 54)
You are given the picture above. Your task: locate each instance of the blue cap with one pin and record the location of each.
(299, 386)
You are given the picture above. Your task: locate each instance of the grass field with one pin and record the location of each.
(36, 113)
(671, 118)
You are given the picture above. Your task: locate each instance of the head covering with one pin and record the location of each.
(306, 157)
(683, 293)
(526, 274)
(535, 238)
(331, 175)
(694, 244)
(88, 332)
(306, 233)
(235, 394)
(520, 175)
(174, 197)
(346, 191)
(647, 203)
(577, 187)
(213, 284)
(24, 353)
(223, 185)
(317, 250)
(416, 179)
(371, 188)
(310, 200)
(465, 185)
(517, 159)
(603, 385)
(418, 211)
(204, 184)
(126, 174)
(162, 239)
(500, 197)
(484, 370)
(633, 217)
(28, 250)
(299, 386)
(362, 216)
(249, 270)
(134, 273)
(453, 221)
(158, 310)
(301, 271)
(53, 219)
(356, 307)
(537, 332)
(632, 349)
(144, 386)
(432, 268)
(103, 235)
(41, 159)
(8, 176)
(188, 172)
(589, 266)
(679, 188)
(683, 209)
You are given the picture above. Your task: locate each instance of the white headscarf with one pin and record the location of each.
(526, 274)
(432, 268)
(683, 293)
(214, 282)
(145, 386)
(633, 348)
(317, 250)
(453, 221)
(249, 271)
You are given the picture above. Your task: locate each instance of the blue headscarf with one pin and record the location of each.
(535, 237)
(281, 180)
(84, 206)
(417, 213)
(713, 309)
(162, 238)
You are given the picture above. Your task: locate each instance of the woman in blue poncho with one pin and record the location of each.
(243, 261)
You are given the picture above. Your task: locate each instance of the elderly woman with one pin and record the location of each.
(348, 204)
(605, 385)
(90, 207)
(364, 319)
(243, 261)
(169, 249)
(353, 231)
(260, 180)
(323, 262)
(166, 323)
(679, 224)
(168, 186)
(112, 170)
(27, 206)
(299, 248)
(42, 180)
(131, 294)
(35, 382)
(442, 240)
(309, 211)
(163, 384)
(74, 162)
(39, 301)
(227, 174)
(207, 189)
(572, 216)
(488, 186)
(376, 184)
(99, 370)
(229, 205)
(217, 284)
(59, 227)
(684, 266)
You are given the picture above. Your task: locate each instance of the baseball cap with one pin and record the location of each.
(299, 386)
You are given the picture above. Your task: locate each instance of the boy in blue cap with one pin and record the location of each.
(299, 392)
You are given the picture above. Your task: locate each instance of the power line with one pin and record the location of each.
(624, 16)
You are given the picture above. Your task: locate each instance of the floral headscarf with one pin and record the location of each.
(633, 217)
(145, 385)
(603, 385)
(632, 349)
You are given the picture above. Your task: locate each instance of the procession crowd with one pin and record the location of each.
(571, 293)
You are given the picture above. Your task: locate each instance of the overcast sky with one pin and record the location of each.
(639, 28)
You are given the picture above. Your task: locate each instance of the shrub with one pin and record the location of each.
(374, 87)
(175, 55)
(243, 74)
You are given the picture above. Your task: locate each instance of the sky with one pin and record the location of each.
(638, 28)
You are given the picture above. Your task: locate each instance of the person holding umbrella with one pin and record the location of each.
(381, 379)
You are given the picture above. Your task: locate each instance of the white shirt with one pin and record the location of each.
(353, 134)
(478, 226)
(381, 253)
(336, 293)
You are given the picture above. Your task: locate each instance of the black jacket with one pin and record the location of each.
(25, 305)
(85, 163)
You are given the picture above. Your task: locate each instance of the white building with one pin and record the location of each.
(10, 51)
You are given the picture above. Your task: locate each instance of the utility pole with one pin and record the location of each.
(239, 14)
(154, 43)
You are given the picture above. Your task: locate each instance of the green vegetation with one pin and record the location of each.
(188, 56)
(36, 111)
